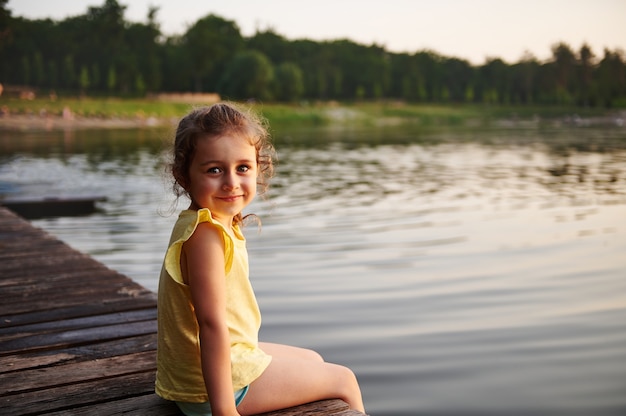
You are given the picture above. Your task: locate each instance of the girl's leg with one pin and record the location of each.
(297, 376)
(289, 351)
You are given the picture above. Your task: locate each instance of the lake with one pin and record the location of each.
(457, 272)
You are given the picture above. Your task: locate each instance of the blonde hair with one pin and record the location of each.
(215, 121)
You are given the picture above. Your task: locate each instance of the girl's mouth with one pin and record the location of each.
(230, 198)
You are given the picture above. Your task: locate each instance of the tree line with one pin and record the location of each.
(101, 53)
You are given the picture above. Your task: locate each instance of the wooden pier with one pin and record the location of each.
(77, 338)
(33, 208)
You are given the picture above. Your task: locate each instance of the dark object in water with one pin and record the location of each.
(32, 208)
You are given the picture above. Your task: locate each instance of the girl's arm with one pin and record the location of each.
(205, 270)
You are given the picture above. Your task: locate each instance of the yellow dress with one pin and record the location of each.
(179, 370)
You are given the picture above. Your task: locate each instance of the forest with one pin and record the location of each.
(100, 53)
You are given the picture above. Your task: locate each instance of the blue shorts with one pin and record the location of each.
(204, 409)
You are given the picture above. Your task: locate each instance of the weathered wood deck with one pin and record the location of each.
(77, 338)
(32, 208)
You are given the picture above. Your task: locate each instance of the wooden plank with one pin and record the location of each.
(16, 363)
(153, 405)
(41, 306)
(78, 323)
(47, 377)
(150, 404)
(77, 311)
(106, 288)
(324, 407)
(30, 267)
(58, 266)
(17, 247)
(76, 395)
(77, 353)
(79, 336)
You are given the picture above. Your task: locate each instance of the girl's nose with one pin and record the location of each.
(230, 182)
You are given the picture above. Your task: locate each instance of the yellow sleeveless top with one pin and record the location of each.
(179, 370)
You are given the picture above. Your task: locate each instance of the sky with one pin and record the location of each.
(468, 29)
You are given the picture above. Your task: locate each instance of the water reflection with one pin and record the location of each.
(458, 272)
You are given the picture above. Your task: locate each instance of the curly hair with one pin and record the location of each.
(215, 121)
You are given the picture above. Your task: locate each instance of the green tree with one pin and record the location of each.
(5, 25)
(38, 69)
(53, 74)
(585, 75)
(83, 79)
(564, 61)
(209, 44)
(140, 85)
(288, 85)
(525, 75)
(142, 42)
(111, 79)
(248, 76)
(69, 72)
(176, 70)
(493, 84)
(272, 45)
(364, 69)
(429, 75)
(106, 42)
(402, 71)
(612, 78)
(458, 76)
(26, 70)
(469, 94)
(95, 75)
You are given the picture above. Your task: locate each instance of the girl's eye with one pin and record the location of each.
(213, 170)
(244, 168)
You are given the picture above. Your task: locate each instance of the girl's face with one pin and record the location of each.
(222, 176)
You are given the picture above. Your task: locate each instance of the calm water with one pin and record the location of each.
(457, 273)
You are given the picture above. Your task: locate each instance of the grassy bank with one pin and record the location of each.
(97, 108)
(379, 113)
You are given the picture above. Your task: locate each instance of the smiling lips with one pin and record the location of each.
(230, 198)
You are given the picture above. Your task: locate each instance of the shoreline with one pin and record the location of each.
(22, 122)
(28, 120)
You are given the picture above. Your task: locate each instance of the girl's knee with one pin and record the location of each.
(309, 355)
(345, 378)
(349, 388)
(351, 378)
(314, 356)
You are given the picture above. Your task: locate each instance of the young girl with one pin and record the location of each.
(209, 360)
